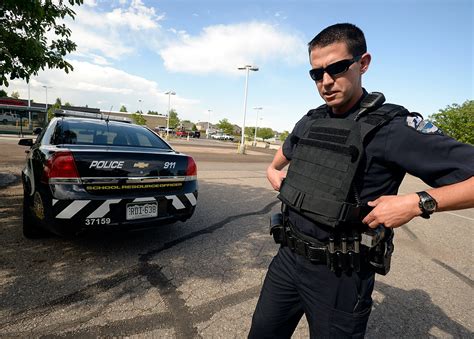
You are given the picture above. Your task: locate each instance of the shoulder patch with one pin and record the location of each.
(415, 121)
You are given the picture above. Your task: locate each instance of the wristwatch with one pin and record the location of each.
(427, 204)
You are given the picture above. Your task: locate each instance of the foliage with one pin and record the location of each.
(15, 95)
(226, 126)
(262, 132)
(265, 133)
(194, 128)
(3, 94)
(284, 135)
(67, 104)
(457, 121)
(53, 108)
(138, 118)
(123, 109)
(152, 112)
(174, 120)
(249, 131)
(25, 28)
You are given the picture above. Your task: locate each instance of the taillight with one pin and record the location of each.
(191, 170)
(60, 165)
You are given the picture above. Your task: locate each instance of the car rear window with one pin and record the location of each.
(80, 132)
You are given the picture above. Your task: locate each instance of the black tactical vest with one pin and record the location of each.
(320, 180)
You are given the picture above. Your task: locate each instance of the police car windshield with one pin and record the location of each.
(82, 132)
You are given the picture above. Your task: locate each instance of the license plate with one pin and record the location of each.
(142, 210)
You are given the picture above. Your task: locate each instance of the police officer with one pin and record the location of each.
(334, 294)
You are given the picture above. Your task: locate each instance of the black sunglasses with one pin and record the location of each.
(334, 69)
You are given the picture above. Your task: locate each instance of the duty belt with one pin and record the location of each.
(340, 253)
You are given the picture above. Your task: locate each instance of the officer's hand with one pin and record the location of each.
(275, 177)
(392, 210)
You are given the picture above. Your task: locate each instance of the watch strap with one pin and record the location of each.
(424, 196)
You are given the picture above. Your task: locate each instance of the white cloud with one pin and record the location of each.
(102, 87)
(136, 17)
(90, 3)
(116, 33)
(222, 48)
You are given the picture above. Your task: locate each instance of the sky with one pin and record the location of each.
(130, 52)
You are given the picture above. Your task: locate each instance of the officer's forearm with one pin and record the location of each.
(279, 160)
(454, 197)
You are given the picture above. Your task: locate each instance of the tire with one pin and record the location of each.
(4, 121)
(31, 229)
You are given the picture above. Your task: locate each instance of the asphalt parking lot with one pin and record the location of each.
(201, 278)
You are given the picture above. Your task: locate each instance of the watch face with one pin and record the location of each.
(429, 205)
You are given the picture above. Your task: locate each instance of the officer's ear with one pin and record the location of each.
(365, 62)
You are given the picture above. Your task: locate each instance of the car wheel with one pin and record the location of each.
(4, 121)
(30, 228)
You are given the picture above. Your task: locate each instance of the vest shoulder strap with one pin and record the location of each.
(384, 114)
(318, 113)
(379, 117)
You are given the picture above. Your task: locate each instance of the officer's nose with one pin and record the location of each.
(327, 79)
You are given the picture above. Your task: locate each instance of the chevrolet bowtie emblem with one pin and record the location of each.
(141, 164)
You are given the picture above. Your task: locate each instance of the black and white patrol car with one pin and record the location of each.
(91, 171)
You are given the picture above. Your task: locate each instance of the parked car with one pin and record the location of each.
(183, 133)
(222, 136)
(84, 171)
(8, 117)
(196, 134)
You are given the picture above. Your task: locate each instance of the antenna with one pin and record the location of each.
(108, 116)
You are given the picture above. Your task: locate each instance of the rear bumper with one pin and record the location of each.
(68, 217)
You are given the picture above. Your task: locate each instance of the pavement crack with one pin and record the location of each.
(455, 272)
(147, 256)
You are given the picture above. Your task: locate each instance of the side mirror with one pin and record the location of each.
(25, 142)
(37, 131)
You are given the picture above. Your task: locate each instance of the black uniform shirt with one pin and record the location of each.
(404, 145)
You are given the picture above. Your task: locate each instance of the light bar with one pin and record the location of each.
(69, 113)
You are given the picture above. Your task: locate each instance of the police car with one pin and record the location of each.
(89, 170)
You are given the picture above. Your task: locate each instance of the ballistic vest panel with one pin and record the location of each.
(320, 178)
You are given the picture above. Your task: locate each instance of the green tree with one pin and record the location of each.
(67, 104)
(457, 121)
(3, 94)
(225, 126)
(265, 133)
(53, 108)
(123, 109)
(15, 95)
(194, 128)
(249, 131)
(174, 120)
(284, 135)
(138, 118)
(33, 36)
(152, 113)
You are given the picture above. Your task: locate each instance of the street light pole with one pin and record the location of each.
(169, 93)
(46, 87)
(30, 126)
(256, 125)
(247, 68)
(208, 123)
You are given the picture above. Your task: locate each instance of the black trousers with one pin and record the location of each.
(335, 306)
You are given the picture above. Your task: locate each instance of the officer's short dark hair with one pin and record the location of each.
(345, 32)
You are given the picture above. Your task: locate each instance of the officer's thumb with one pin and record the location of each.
(372, 203)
